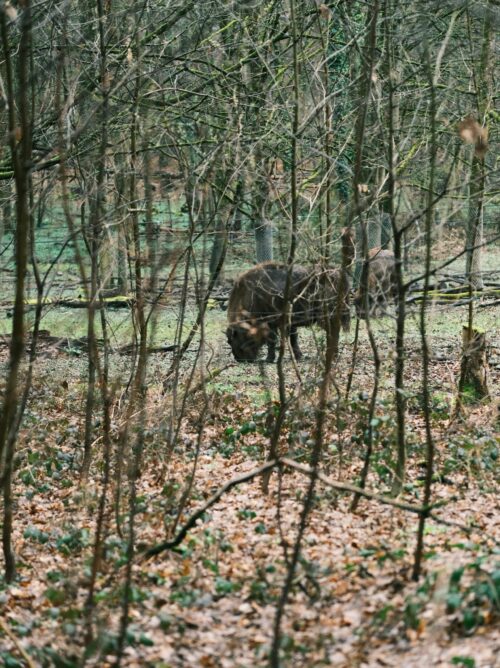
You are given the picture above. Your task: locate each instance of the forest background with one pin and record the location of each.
(163, 505)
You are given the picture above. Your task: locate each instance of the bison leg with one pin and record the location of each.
(271, 346)
(294, 340)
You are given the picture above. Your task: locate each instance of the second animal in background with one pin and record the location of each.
(379, 287)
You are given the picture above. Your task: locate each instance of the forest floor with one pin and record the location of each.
(212, 602)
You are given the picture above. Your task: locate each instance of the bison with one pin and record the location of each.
(257, 305)
(381, 283)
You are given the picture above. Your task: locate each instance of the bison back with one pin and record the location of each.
(259, 293)
(381, 273)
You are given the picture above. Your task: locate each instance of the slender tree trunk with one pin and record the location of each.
(398, 247)
(478, 175)
(95, 245)
(262, 225)
(220, 234)
(426, 392)
(151, 235)
(475, 224)
(5, 208)
(122, 224)
(20, 149)
(274, 657)
(368, 232)
(138, 395)
(364, 232)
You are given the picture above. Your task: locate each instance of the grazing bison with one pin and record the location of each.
(381, 283)
(257, 304)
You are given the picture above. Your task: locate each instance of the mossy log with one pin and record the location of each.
(454, 294)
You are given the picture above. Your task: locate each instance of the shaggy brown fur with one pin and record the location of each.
(257, 304)
(381, 283)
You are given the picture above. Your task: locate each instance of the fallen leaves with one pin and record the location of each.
(214, 602)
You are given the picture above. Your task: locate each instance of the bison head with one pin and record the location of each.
(246, 339)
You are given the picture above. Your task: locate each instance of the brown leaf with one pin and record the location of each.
(18, 593)
(324, 11)
(468, 130)
(351, 617)
(10, 11)
(471, 132)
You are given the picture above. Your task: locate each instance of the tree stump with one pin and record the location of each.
(473, 382)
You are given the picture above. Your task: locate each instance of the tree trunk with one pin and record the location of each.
(239, 196)
(151, 233)
(5, 208)
(474, 367)
(219, 242)
(217, 251)
(121, 228)
(262, 225)
(475, 224)
(263, 241)
(21, 155)
(478, 176)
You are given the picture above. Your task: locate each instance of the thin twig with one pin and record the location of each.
(282, 462)
(169, 544)
(245, 477)
(20, 648)
(354, 489)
